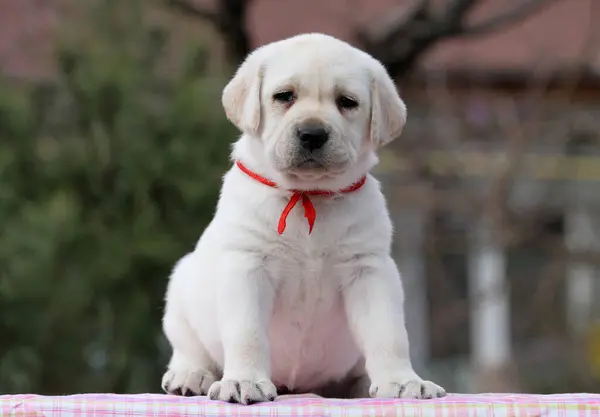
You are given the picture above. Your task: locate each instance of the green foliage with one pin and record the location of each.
(107, 177)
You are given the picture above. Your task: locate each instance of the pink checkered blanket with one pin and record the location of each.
(157, 405)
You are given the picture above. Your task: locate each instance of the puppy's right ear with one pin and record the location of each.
(241, 96)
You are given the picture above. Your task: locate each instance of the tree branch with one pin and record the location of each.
(457, 10)
(185, 7)
(401, 43)
(398, 44)
(232, 25)
(229, 18)
(404, 40)
(506, 18)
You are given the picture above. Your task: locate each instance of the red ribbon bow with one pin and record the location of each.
(309, 209)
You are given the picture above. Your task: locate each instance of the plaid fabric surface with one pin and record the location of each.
(156, 405)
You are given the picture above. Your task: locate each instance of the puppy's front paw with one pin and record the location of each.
(187, 383)
(411, 388)
(242, 392)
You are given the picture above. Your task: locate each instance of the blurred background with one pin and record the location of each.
(113, 142)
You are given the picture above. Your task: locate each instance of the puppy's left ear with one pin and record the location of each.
(388, 111)
(241, 96)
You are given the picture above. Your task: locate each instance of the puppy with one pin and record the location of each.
(292, 286)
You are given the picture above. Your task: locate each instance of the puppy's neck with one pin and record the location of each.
(251, 154)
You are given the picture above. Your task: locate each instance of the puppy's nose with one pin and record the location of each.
(312, 136)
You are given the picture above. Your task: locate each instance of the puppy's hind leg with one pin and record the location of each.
(191, 370)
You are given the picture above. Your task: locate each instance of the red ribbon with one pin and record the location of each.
(309, 209)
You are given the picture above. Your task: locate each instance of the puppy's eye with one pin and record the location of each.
(284, 96)
(345, 102)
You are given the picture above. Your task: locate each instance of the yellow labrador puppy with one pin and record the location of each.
(292, 287)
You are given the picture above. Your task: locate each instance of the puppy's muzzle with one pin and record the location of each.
(312, 136)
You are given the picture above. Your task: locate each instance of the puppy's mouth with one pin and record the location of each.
(316, 164)
(309, 163)
(313, 169)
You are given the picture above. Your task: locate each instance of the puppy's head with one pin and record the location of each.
(318, 107)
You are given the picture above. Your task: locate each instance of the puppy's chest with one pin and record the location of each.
(309, 274)
(305, 285)
(310, 341)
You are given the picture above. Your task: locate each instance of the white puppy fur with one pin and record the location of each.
(250, 309)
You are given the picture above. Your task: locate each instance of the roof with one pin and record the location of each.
(554, 38)
(25, 37)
